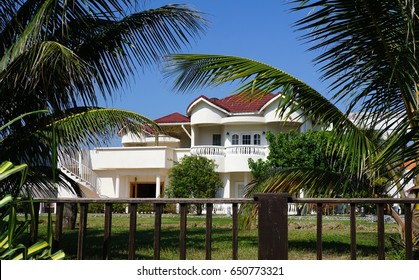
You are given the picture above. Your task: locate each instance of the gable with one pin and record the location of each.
(235, 104)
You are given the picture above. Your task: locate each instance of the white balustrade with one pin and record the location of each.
(246, 150)
(208, 151)
(231, 150)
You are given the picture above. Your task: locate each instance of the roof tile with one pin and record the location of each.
(173, 118)
(241, 103)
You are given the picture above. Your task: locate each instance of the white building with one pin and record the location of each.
(229, 130)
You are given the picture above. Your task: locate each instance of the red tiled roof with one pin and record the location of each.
(173, 118)
(239, 103)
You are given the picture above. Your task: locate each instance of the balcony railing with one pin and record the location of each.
(246, 150)
(231, 150)
(208, 151)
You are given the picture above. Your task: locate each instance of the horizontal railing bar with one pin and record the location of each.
(148, 200)
(355, 200)
(226, 200)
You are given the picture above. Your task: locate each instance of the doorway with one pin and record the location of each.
(142, 190)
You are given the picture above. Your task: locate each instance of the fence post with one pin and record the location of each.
(34, 224)
(58, 226)
(273, 225)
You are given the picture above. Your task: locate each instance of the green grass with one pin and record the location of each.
(302, 238)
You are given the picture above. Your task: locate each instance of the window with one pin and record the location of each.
(240, 190)
(216, 139)
(246, 139)
(256, 139)
(235, 139)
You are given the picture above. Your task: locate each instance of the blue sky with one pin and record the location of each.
(260, 30)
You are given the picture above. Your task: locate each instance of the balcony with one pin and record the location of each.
(232, 158)
(251, 150)
(135, 157)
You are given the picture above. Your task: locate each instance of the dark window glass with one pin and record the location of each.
(256, 139)
(216, 139)
(235, 139)
(246, 139)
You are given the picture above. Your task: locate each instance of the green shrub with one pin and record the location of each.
(96, 208)
(119, 208)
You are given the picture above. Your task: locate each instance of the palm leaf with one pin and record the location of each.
(7, 169)
(195, 71)
(94, 126)
(143, 37)
(86, 45)
(375, 43)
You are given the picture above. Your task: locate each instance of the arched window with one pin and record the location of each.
(235, 139)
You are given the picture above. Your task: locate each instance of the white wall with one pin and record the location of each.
(202, 113)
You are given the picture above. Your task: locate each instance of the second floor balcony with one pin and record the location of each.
(232, 158)
(252, 150)
(228, 159)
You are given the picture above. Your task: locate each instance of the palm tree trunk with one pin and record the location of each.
(70, 215)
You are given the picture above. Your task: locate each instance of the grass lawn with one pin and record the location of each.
(302, 238)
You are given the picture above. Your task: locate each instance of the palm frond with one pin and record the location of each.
(195, 71)
(86, 127)
(314, 182)
(115, 46)
(365, 45)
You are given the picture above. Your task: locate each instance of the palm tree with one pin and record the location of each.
(59, 55)
(368, 57)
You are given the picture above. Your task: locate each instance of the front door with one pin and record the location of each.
(141, 190)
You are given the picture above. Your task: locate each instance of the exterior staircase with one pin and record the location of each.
(81, 174)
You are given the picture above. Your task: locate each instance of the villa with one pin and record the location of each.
(229, 131)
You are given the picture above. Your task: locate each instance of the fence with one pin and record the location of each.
(272, 223)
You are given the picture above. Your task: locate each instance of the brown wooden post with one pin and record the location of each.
(107, 232)
(353, 231)
(132, 230)
(82, 230)
(34, 225)
(408, 231)
(58, 226)
(157, 229)
(208, 230)
(380, 230)
(319, 245)
(235, 240)
(273, 225)
(182, 233)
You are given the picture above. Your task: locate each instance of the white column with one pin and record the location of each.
(192, 136)
(227, 186)
(158, 186)
(117, 186)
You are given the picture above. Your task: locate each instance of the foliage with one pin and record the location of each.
(381, 86)
(11, 227)
(367, 52)
(59, 56)
(293, 149)
(259, 168)
(310, 151)
(193, 176)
